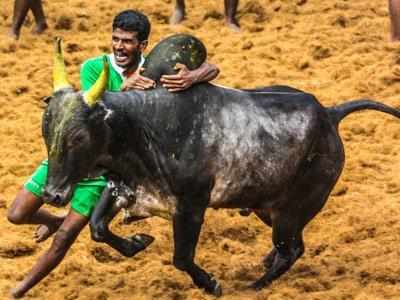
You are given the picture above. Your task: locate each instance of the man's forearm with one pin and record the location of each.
(206, 72)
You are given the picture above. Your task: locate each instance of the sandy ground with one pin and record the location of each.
(337, 50)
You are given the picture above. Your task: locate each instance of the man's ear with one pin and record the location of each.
(143, 45)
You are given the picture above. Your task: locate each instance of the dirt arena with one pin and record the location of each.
(338, 50)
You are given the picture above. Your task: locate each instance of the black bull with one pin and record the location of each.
(275, 151)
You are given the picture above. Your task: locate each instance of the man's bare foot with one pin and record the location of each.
(394, 39)
(44, 231)
(39, 28)
(233, 25)
(177, 16)
(13, 34)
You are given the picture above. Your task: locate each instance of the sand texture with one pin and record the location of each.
(337, 50)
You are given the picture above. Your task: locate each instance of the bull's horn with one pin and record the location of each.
(60, 80)
(96, 91)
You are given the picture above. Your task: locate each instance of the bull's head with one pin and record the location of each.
(74, 131)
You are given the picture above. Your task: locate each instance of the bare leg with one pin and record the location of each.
(21, 8)
(394, 12)
(64, 238)
(37, 9)
(230, 13)
(179, 12)
(27, 209)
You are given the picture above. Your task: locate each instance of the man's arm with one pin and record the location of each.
(137, 81)
(186, 78)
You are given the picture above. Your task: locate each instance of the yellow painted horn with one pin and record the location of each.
(60, 80)
(93, 95)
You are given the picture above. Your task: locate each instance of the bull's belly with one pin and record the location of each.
(233, 188)
(246, 192)
(253, 181)
(149, 204)
(224, 195)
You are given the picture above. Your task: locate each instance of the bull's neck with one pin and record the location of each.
(134, 147)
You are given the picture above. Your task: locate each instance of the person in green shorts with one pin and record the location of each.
(129, 39)
(27, 209)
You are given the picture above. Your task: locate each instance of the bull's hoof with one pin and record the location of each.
(269, 259)
(136, 243)
(214, 288)
(245, 212)
(260, 284)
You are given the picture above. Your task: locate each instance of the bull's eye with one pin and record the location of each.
(76, 141)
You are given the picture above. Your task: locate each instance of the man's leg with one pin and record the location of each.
(394, 12)
(21, 8)
(63, 239)
(27, 209)
(179, 12)
(40, 19)
(230, 13)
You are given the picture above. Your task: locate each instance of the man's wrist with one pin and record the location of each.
(195, 76)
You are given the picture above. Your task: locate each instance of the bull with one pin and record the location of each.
(275, 151)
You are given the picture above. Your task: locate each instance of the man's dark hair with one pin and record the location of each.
(133, 21)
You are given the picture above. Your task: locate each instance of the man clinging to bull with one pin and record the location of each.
(130, 31)
(129, 39)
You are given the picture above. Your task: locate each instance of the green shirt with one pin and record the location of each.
(91, 69)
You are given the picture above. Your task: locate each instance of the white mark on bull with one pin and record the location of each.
(247, 145)
(109, 113)
(149, 204)
(176, 56)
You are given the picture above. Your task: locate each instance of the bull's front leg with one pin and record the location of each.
(104, 212)
(187, 226)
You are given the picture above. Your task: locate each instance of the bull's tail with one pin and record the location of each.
(339, 112)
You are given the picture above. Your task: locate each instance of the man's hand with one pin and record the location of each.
(136, 81)
(181, 81)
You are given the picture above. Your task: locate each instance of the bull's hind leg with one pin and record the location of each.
(271, 256)
(308, 195)
(288, 247)
(187, 226)
(264, 215)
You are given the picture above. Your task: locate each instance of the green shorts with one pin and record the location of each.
(84, 197)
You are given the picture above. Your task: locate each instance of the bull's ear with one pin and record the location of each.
(93, 95)
(47, 99)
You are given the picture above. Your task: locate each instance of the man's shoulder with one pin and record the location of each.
(94, 62)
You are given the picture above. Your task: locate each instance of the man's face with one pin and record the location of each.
(126, 48)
